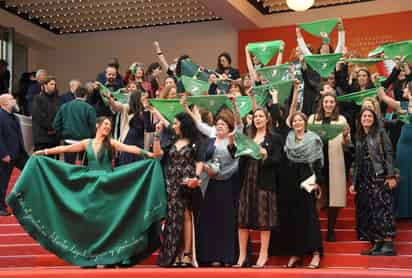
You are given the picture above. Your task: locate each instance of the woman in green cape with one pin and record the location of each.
(92, 215)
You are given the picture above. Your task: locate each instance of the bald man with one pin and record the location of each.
(12, 153)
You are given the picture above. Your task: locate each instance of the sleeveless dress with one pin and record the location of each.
(91, 215)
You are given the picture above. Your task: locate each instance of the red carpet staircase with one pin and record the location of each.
(18, 251)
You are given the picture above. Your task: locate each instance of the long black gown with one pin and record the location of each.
(299, 233)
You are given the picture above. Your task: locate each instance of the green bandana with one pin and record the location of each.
(245, 146)
(223, 86)
(168, 107)
(358, 96)
(364, 61)
(273, 73)
(376, 51)
(190, 69)
(244, 104)
(326, 132)
(403, 48)
(323, 64)
(194, 86)
(211, 103)
(117, 95)
(316, 27)
(284, 89)
(264, 51)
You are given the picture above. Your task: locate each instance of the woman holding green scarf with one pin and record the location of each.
(301, 176)
(92, 215)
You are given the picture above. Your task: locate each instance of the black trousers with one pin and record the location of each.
(5, 173)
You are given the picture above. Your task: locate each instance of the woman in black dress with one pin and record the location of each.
(258, 179)
(224, 66)
(182, 188)
(373, 181)
(299, 233)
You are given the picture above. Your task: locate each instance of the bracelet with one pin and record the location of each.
(45, 152)
(143, 152)
(159, 53)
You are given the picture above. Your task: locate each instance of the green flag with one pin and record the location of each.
(376, 51)
(316, 27)
(358, 96)
(364, 61)
(264, 51)
(194, 86)
(168, 107)
(120, 96)
(211, 103)
(323, 64)
(104, 92)
(403, 48)
(245, 146)
(188, 68)
(284, 89)
(325, 131)
(273, 73)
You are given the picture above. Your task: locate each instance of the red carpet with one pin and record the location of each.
(21, 256)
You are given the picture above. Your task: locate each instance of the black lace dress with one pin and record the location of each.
(374, 202)
(179, 198)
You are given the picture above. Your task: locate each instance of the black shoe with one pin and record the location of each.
(375, 248)
(387, 249)
(331, 236)
(4, 212)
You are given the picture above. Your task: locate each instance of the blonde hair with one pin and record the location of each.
(375, 104)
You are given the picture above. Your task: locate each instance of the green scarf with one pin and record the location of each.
(195, 86)
(245, 146)
(316, 27)
(326, 131)
(308, 150)
(364, 61)
(168, 107)
(358, 96)
(211, 103)
(188, 68)
(403, 48)
(273, 73)
(323, 64)
(264, 51)
(284, 89)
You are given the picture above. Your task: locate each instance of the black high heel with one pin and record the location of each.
(260, 265)
(295, 264)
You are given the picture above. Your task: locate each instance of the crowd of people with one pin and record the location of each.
(209, 197)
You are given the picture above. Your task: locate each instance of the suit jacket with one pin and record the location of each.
(11, 139)
(45, 108)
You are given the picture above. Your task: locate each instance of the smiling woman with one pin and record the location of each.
(95, 198)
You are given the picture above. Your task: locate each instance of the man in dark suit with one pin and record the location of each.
(12, 153)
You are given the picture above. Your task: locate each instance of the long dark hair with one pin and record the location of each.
(135, 103)
(220, 68)
(188, 127)
(151, 68)
(106, 144)
(360, 132)
(320, 112)
(269, 124)
(179, 64)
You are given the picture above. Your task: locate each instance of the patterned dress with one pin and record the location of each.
(179, 198)
(374, 202)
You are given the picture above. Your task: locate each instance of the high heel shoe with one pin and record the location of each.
(177, 261)
(314, 265)
(241, 265)
(297, 262)
(260, 265)
(187, 260)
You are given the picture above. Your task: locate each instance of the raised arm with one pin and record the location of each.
(341, 37)
(294, 104)
(250, 67)
(279, 59)
(236, 113)
(388, 100)
(120, 147)
(161, 56)
(301, 43)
